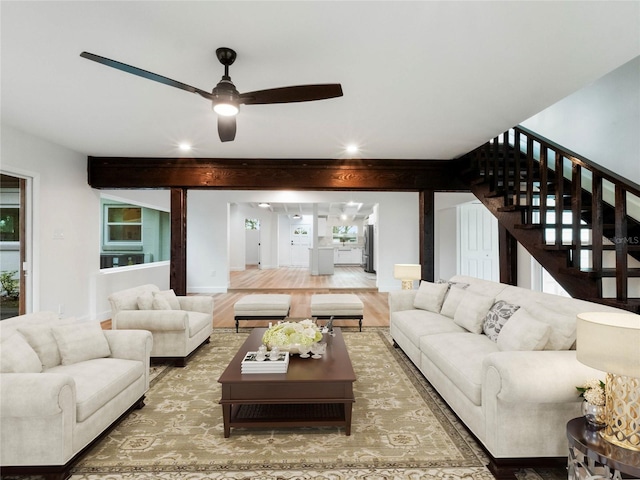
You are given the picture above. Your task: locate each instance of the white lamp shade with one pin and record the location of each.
(407, 271)
(609, 342)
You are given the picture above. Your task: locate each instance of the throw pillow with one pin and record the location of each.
(171, 297)
(160, 302)
(563, 327)
(523, 332)
(17, 356)
(497, 316)
(80, 342)
(472, 311)
(145, 301)
(430, 296)
(41, 339)
(451, 302)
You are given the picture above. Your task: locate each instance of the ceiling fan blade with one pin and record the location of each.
(299, 93)
(226, 128)
(144, 74)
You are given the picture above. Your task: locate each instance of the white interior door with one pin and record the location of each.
(300, 243)
(252, 247)
(478, 242)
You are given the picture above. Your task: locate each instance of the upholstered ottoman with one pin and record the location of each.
(272, 306)
(343, 306)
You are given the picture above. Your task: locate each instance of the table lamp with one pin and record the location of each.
(407, 272)
(610, 342)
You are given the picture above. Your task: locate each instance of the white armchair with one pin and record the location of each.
(179, 324)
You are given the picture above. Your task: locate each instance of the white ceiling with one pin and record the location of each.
(421, 79)
(345, 210)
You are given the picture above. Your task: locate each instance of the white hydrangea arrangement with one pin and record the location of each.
(593, 392)
(285, 334)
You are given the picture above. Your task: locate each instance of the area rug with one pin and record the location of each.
(399, 428)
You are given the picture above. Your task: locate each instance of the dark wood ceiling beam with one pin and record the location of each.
(274, 174)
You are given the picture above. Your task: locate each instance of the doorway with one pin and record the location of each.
(252, 242)
(478, 242)
(13, 246)
(300, 243)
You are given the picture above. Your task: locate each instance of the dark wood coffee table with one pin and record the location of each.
(313, 392)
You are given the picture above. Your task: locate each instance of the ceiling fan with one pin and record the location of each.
(225, 98)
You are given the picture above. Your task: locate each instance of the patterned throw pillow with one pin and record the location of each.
(497, 316)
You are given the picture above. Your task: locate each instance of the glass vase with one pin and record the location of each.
(594, 414)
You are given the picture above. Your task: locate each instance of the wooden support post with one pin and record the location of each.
(508, 253)
(178, 268)
(427, 234)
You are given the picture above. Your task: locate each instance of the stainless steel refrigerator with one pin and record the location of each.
(367, 251)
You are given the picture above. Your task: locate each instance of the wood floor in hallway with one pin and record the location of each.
(301, 285)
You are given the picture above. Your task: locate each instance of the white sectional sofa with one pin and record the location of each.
(515, 392)
(62, 384)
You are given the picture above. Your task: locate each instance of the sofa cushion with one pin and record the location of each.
(79, 342)
(430, 296)
(563, 327)
(497, 316)
(451, 301)
(171, 297)
(198, 321)
(459, 356)
(145, 301)
(128, 299)
(41, 339)
(99, 380)
(472, 311)
(416, 323)
(17, 356)
(160, 302)
(523, 332)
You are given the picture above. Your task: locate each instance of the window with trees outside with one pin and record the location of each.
(345, 233)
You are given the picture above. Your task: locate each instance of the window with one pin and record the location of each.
(9, 224)
(251, 224)
(123, 226)
(133, 235)
(345, 234)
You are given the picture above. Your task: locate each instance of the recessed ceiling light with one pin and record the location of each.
(185, 147)
(352, 148)
(264, 205)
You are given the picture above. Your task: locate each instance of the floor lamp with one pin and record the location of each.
(407, 272)
(610, 342)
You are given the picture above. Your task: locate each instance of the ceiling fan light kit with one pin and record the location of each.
(225, 98)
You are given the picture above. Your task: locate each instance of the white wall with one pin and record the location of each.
(209, 246)
(66, 229)
(446, 232)
(600, 122)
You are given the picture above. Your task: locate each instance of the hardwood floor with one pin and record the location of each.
(297, 282)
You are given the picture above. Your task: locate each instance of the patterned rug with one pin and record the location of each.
(400, 428)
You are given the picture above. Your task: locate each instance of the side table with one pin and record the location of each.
(592, 457)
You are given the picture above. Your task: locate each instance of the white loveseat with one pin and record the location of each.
(515, 394)
(179, 324)
(62, 384)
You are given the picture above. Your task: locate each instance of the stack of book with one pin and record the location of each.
(250, 364)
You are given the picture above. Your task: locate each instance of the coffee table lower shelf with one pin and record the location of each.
(290, 415)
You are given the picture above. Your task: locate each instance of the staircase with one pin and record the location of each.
(580, 221)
